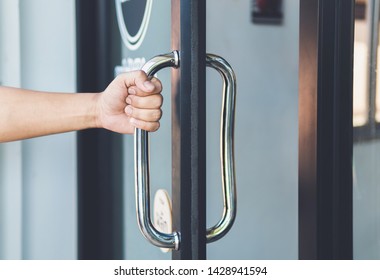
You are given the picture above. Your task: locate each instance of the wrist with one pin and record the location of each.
(90, 116)
(96, 111)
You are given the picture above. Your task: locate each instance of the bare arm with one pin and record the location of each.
(130, 101)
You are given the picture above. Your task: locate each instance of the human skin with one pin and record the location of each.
(130, 100)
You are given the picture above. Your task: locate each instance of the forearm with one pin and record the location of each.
(27, 114)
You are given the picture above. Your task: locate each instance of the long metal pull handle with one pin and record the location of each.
(172, 240)
(226, 148)
(160, 239)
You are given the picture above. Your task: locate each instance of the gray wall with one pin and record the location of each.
(10, 153)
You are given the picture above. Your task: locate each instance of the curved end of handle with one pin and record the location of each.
(176, 59)
(177, 240)
(222, 227)
(162, 240)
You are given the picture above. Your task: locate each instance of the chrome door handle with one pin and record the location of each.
(154, 236)
(226, 147)
(172, 240)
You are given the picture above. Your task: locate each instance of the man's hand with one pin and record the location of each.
(131, 100)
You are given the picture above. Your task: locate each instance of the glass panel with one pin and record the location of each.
(262, 47)
(260, 42)
(146, 33)
(366, 161)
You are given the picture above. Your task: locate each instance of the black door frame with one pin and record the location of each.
(326, 129)
(189, 128)
(99, 152)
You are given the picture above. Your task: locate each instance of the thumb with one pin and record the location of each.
(142, 81)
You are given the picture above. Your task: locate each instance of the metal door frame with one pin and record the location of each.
(326, 129)
(189, 128)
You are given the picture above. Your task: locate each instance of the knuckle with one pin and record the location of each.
(140, 73)
(158, 100)
(154, 126)
(158, 84)
(150, 126)
(157, 114)
(140, 76)
(122, 76)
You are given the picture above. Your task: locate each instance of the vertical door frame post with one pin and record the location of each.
(189, 128)
(325, 129)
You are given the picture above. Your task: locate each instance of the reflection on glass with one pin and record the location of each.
(360, 84)
(378, 88)
(361, 71)
(361, 66)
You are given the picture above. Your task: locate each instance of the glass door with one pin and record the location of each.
(260, 41)
(261, 45)
(145, 28)
(366, 186)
